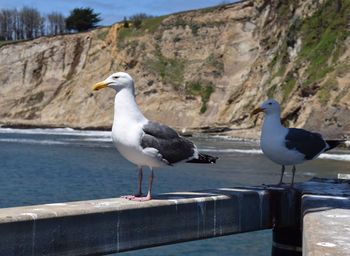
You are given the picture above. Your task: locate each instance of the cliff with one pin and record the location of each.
(202, 68)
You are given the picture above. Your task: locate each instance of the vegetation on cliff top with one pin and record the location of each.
(139, 27)
(5, 42)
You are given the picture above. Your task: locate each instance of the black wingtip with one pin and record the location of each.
(334, 143)
(204, 159)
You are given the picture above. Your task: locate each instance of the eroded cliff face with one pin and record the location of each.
(209, 67)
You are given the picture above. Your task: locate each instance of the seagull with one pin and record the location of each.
(289, 146)
(143, 142)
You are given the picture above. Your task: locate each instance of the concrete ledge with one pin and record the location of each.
(116, 225)
(320, 207)
(326, 225)
(326, 217)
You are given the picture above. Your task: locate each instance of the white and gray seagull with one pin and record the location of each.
(289, 146)
(141, 141)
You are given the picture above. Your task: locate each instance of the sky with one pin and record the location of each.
(113, 11)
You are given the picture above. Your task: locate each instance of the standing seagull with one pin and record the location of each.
(289, 146)
(143, 142)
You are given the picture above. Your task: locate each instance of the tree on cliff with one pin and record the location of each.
(28, 23)
(137, 19)
(81, 19)
(55, 23)
(32, 22)
(6, 21)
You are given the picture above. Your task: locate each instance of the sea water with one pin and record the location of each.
(40, 166)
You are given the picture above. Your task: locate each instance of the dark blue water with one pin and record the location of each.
(37, 167)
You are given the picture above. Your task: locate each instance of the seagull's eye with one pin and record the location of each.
(115, 77)
(270, 103)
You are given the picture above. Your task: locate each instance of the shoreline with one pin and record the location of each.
(341, 153)
(49, 126)
(238, 133)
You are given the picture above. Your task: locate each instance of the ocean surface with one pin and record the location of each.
(40, 166)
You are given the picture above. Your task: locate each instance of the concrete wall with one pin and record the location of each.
(115, 225)
(326, 219)
(320, 207)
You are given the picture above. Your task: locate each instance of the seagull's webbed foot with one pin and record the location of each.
(273, 185)
(148, 197)
(130, 197)
(139, 193)
(141, 199)
(266, 186)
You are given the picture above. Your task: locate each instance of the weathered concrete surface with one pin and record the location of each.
(327, 233)
(316, 210)
(326, 221)
(326, 227)
(115, 225)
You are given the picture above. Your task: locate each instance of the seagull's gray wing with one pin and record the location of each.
(172, 147)
(308, 143)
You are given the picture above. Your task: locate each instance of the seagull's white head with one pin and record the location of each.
(117, 81)
(270, 106)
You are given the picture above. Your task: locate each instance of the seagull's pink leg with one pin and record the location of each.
(149, 194)
(139, 193)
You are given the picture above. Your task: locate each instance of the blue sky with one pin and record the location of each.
(113, 11)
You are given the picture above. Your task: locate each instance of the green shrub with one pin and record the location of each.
(102, 33)
(149, 25)
(271, 91)
(171, 70)
(323, 37)
(287, 88)
(324, 94)
(216, 62)
(137, 19)
(202, 89)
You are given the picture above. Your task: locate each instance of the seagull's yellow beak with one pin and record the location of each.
(99, 86)
(256, 111)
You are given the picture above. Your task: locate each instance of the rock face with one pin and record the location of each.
(202, 68)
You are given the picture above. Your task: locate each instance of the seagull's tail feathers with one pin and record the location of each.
(333, 143)
(204, 159)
